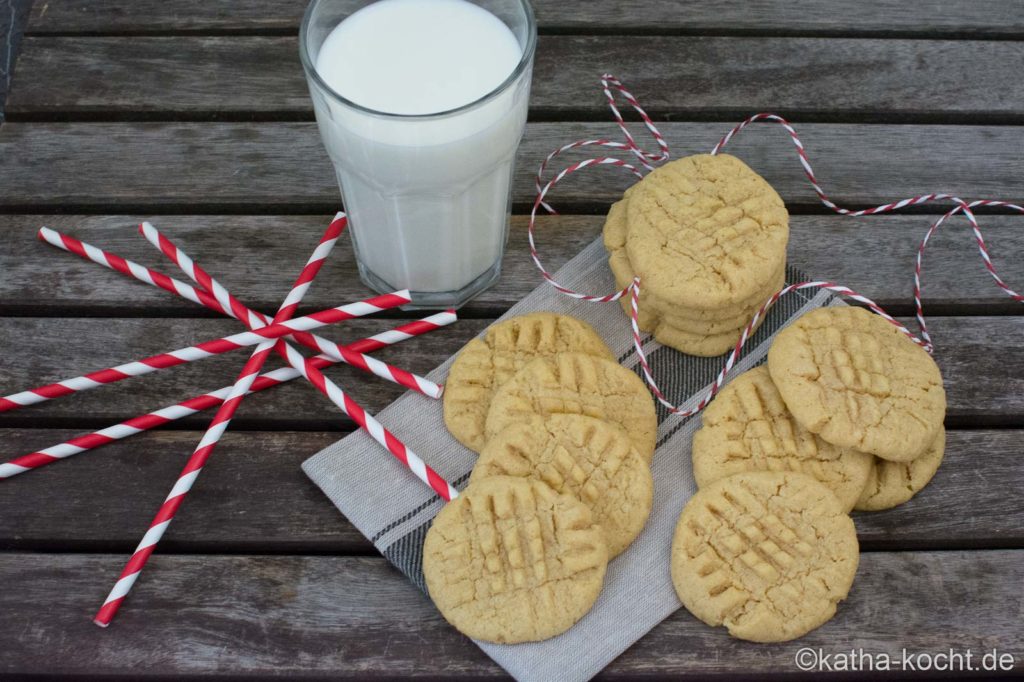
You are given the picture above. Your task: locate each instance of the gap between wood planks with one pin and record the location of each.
(958, 422)
(537, 115)
(257, 475)
(170, 547)
(901, 32)
(320, 208)
(1008, 308)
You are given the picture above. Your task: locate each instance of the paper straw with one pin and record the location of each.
(186, 408)
(227, 301)
(130, 268)
(203, 350)
(222, 301)
(216, 430)
(367, 422)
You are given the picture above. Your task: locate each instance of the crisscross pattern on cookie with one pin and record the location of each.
(585, 457)
(852, 379)
(511, 560)
(573, 383)
(766, 554)
(749, 428)
(648, 159)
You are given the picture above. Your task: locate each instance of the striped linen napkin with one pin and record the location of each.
(394, 509)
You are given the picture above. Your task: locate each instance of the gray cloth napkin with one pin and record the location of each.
(394, 509)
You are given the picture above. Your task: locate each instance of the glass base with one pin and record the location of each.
(425, 300)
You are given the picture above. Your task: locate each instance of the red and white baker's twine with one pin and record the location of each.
(217, 428)
(647, 160)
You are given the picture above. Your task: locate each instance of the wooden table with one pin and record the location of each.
(195, 115)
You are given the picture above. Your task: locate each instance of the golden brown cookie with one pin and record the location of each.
(706, 232)
(675, 314)
(581, 456)
(892, 483)
(574, 383)
(510, 560)
(696, 343)
(693, 331)
(858, 382)
(748, 428)
(767, 554)
(486, 363)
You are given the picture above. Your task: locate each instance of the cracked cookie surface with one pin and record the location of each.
(581, 456)
(614, 237)
(510, 560)
(574, 383)
(892, 483)
(855, 379)
(748, 427)
(706, 231)
(766, 554)
(485, 363)
(690, 330)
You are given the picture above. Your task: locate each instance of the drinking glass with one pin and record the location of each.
(428, 196)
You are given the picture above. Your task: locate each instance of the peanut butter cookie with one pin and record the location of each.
(697, 343)
(853, 378)
(689, 330)
(486, 363)
(706, 232)
(581, 456)
(574, 383)
(892, 483)
(767, 554)
(675, 314)
(748, 428)
(510, 560)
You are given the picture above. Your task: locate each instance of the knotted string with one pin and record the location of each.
(646, 161)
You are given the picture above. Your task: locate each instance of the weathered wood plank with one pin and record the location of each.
(872, 255)
(263, 167)
(973, 352)
(254, 498)
(827, 17)
(276, 247)
(681, 77)
(54, 349)
(357, 618)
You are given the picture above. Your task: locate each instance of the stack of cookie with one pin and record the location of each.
(563, 483)
(846, 415)
(707, 236)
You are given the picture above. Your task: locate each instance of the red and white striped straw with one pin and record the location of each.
(367, 422)
(232, 307)
(203, 350)
(216, 430)
(228, 302)
(186, 408)
(130, 268)
(633, 289)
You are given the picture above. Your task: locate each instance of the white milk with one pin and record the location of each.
(427, 196)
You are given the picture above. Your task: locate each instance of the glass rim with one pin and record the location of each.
(311, 73)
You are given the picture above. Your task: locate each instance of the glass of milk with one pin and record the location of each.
(421, 105)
